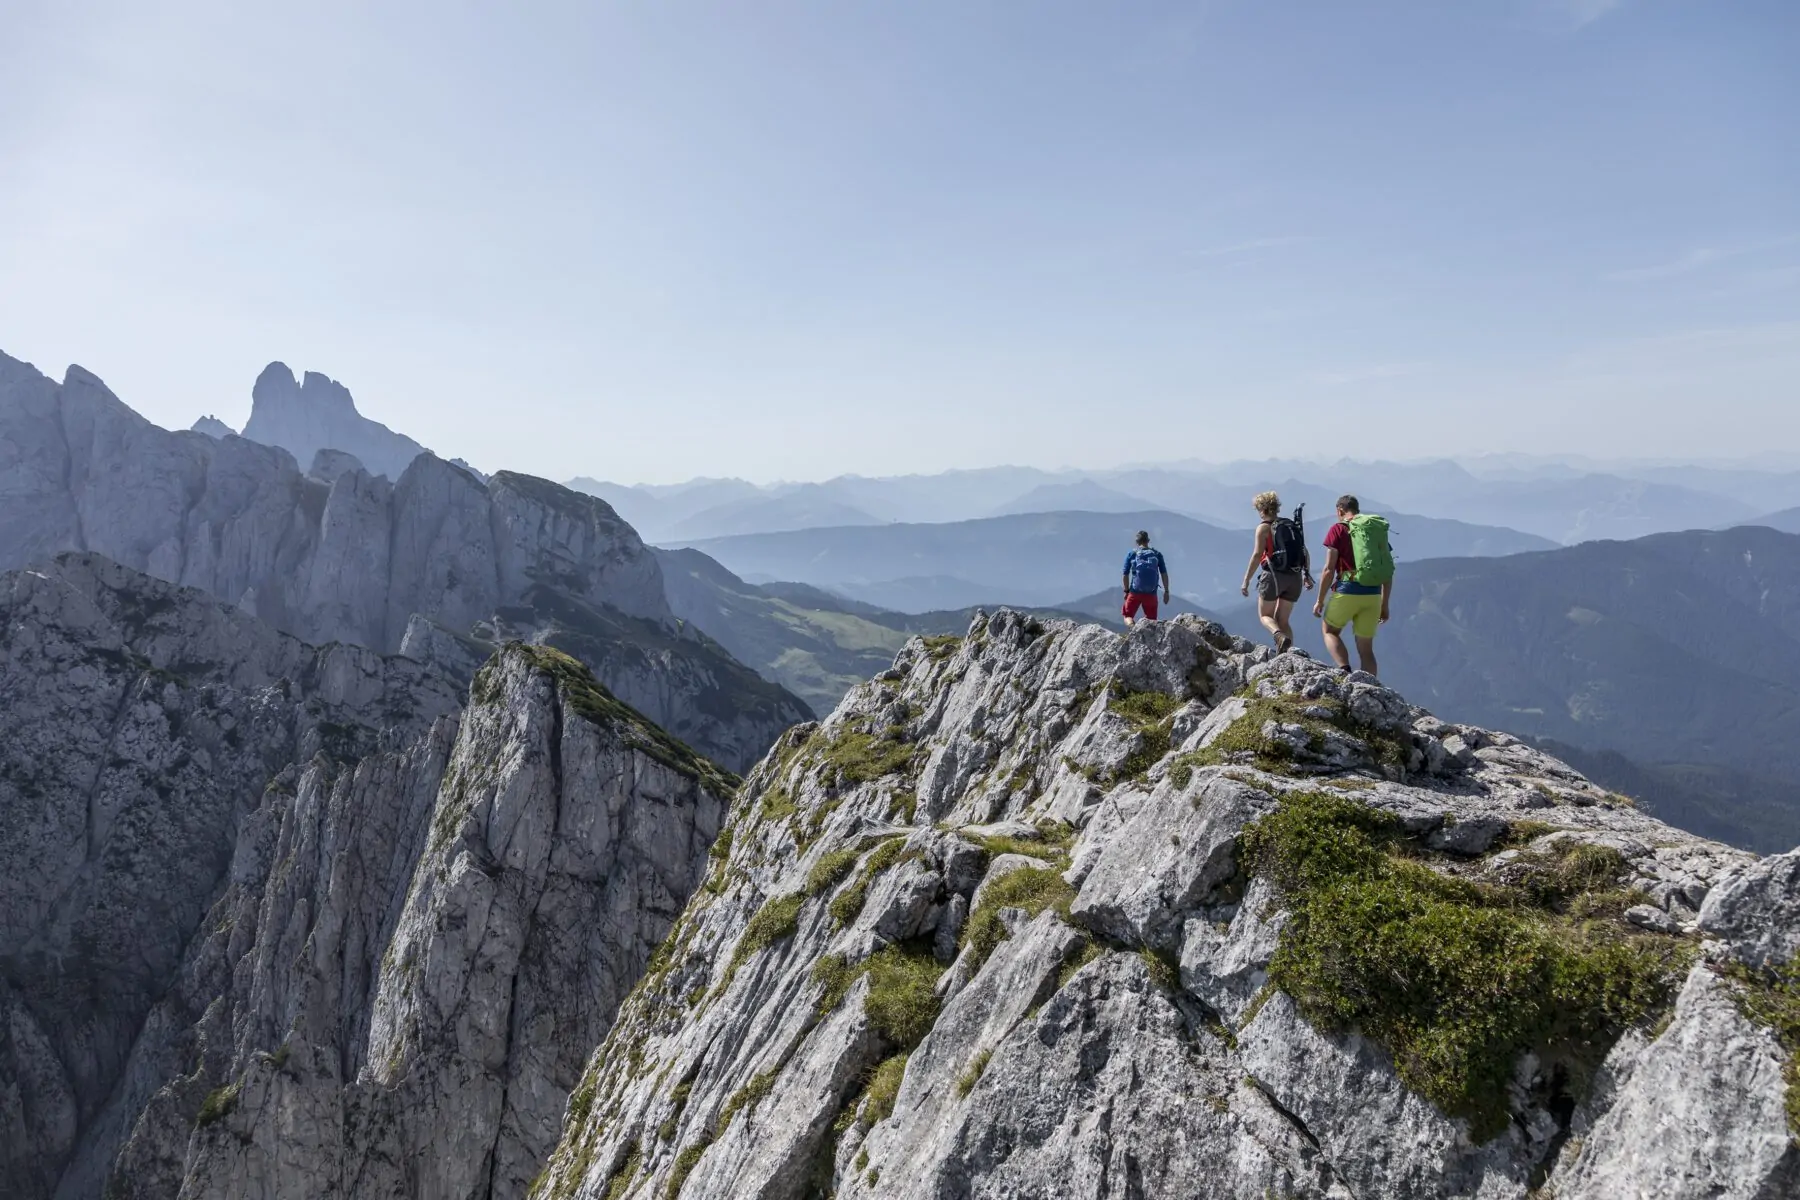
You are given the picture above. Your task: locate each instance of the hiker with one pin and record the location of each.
(1358, 578)
(1280, 550)
(1144, 567)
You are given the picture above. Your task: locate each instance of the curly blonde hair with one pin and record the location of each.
(1268, 504)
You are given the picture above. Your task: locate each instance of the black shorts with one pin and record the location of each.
(1278, 585)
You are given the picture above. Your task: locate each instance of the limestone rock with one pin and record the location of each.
(1112, 1024)
(285, 921)
(362, 541)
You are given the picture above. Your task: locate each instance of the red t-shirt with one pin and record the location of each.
(1338, 538)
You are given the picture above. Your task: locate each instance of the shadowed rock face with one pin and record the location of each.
(991, 930)
(343, 555)
(285, 921)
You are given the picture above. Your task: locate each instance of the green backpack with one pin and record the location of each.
(1369, 547)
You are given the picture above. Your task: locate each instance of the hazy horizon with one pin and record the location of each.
(801, 241)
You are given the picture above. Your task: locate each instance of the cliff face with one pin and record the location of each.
(340, 554)
(1049, 912)
(278, 921)
(315, 413)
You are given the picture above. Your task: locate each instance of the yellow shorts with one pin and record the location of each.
(1362, 612)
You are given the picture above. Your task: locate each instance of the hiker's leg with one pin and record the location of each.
(1365, 651)
(1334, 645)
(1268, 612)
(1284, 627)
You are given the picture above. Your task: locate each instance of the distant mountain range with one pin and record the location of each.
(1044, 558)
(1548, 499)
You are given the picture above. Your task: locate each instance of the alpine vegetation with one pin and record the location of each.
(1051, 912)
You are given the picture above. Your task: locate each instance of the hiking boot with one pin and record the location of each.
(1283, 643)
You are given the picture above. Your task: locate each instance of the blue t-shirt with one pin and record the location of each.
(1144, 568)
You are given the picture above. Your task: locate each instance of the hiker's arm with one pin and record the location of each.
(1256, 556)
(1326, 580)
(1306, 565)
(1165, 575)
(1387, 589)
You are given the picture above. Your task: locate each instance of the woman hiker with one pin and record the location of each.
(1280, 551)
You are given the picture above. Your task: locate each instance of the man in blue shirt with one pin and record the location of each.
(1144, 568)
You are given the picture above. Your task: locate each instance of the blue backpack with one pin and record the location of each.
(1146, 568)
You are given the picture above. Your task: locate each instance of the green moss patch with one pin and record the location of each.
(590, 699)
(884, 1088)
(775, 920)
(1032, 889)
(685, 1162)
(942, 645)
(1771, 998)
(856, 757)
(1051, 842)
(1243, 738)
(219, 1104)
(1151, 714)
(831, 869)
(1143, 708)
(747, 1097)
(678, 1105)
(848, 904)
(620, 1181)
(1456, 979)
(902, 1002)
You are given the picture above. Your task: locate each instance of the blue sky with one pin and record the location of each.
(646, 241)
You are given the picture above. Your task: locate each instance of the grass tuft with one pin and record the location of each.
(747, 1097)
(775, 920)
(848, 904)
(684, 1166)
(1771, 998)
(621, 1180)
(884, 1087)
(830, 870)
(902, 1003)
(590, 699)
(219, 1104)
(1032, 889)
(972, 1076)
(1151, 714)
(1244, 737)
(856, 757)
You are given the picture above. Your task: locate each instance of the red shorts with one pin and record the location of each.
(1143, 600)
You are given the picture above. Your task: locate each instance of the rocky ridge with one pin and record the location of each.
(278, 920)
(338, 554)
(1050, 912)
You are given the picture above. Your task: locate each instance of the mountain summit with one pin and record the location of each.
(318, 413)
(1049, 911)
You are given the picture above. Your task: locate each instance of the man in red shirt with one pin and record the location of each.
(1345, 602)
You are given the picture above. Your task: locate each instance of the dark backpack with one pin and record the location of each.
(1287, 542)
(1146, 571)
